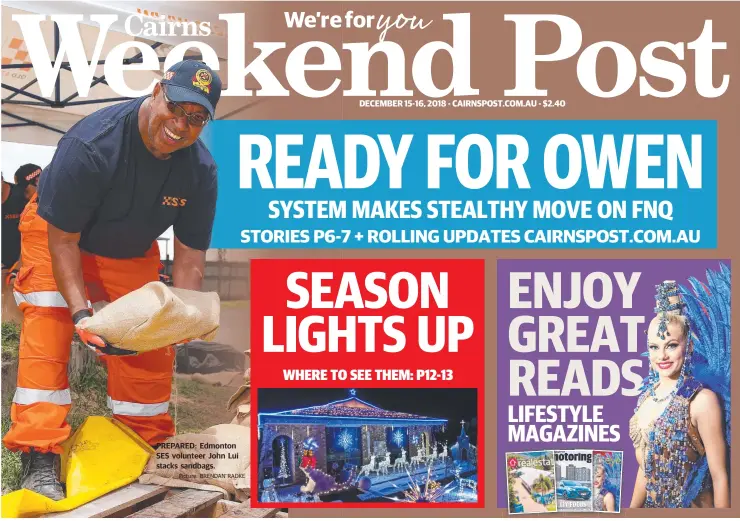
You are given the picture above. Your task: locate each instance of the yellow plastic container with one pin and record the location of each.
(101, 456)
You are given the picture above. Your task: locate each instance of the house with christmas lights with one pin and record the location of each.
(339, 436)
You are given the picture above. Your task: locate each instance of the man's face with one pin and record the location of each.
(167, 132)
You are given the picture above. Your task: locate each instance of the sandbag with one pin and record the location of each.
(240, 404)
(156, 316)
(218, 456)
(240, 401)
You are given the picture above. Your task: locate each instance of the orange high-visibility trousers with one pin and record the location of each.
(138, 386)
(42, 398)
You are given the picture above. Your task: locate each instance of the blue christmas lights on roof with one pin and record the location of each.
(351, 408)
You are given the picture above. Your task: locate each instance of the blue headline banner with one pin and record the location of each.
(465, 184)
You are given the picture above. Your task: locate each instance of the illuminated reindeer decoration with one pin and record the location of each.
(383, 465)
(400, 462)
(367, 469)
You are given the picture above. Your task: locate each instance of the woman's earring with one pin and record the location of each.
(689, 362)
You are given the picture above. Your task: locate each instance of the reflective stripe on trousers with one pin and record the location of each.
(137, 409)
(42, 299)
(25, 396)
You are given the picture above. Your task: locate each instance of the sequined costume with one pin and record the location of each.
(671, 448)
(671, 452)
(598, 500)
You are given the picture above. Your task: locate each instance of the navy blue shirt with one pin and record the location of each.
(105, 184)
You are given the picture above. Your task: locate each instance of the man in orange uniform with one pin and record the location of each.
(15, 198)
(119, 178)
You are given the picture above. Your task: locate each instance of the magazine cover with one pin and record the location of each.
(368, 259)
(531, 482)
(607, 488)
(574, 470)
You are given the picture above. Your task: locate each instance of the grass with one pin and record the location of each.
(11, 462)
(11, 337)
(89, 395)
(194, 405)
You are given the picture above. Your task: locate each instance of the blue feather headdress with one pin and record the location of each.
(708, 307)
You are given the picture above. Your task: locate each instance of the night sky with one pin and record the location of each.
(453, 405)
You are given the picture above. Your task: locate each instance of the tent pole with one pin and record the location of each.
(58, 85)
(102, 78)
(18, 66)
(13, 95)
(29, 94)
(31, 122)
(76, 94)
(66, 65)
(29, 103)
(68, 68)
(93, 101)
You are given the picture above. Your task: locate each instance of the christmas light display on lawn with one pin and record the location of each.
(309, 457)
(320, 483)
(424, 491)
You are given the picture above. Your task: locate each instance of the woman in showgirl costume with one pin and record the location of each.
(681, 426)
(603, 499)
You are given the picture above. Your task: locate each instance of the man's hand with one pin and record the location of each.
(188, 267)
(93, 341)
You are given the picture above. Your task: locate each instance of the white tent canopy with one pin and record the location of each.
(28, 117)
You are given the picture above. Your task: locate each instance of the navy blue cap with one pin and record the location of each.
(28, 175)
(192, 81)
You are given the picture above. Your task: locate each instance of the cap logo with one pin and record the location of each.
(202, 80)
(169, 75)
(33, 174)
